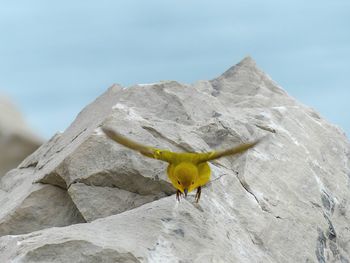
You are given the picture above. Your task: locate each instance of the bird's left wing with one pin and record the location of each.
(148, 151)
(209, 156)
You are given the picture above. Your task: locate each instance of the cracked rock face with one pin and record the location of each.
(17, 141)
(287, 200)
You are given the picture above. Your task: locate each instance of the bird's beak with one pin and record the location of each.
(185, 191)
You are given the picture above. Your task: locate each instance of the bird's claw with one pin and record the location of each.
(198, 194)
(178, 195)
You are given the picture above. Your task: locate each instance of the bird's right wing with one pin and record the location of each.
(148, 151)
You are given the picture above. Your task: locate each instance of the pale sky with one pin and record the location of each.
(58, 56)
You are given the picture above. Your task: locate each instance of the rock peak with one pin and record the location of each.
(246, 63)
(246, 79)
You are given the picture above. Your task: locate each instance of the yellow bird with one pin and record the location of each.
(187, 171)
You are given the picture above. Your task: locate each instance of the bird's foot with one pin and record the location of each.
(178, 195)
(198, 194)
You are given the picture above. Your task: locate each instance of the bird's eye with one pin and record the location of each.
(192, 182)
(178, 182)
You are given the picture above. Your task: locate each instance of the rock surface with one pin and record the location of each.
(287, 200)
(17, 141)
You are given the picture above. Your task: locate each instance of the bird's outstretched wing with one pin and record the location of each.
(209, 156)
(148, 151)
(172, 157)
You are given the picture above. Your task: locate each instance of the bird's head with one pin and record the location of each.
(186, 175)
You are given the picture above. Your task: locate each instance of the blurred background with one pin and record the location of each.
(57, 56)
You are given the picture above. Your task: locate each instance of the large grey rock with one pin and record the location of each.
(17, 141)
(287, 200)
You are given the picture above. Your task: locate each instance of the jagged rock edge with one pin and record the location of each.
(72, 202)
(87, 183)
